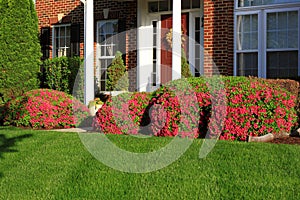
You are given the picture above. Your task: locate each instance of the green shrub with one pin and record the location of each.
(64, 74)
(185, 67)
(19, 48)
(117, 76)
(57, 74)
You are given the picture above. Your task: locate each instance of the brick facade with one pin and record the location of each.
(218, 29)
(218, 36)
(73, 12)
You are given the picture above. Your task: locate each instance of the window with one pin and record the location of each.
(62, 41)
(167, 5)
(197, 47)
(66, 39)
(282, 44)
(248, 3)
(247, 45)
(107, 46)
(267, 42)
(154, 58)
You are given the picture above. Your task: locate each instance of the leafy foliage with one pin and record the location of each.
(234, 107)
(44, 108)
(117, 76)
(19, 48)
(64, 74)
(185, 67)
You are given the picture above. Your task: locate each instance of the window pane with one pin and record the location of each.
(196, 4)
(247, 32)
(282, 30)
(272, 21)
(185, 4)
(68, 31)
(282, 64)
(282, 21)
(293, 20)
(153, 7)
(62, 42)
(246, 3)
(247, 64)
(62, 32)
(163, 5)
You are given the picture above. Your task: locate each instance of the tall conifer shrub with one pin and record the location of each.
(19, 47)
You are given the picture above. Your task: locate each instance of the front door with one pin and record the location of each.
(166, 49)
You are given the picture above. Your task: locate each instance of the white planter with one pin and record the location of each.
(94, 109)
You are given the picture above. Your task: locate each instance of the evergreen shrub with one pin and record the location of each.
(20, 50)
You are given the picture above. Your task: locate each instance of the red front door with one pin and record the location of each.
(166, 50)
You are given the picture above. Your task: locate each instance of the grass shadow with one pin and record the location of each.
(6, 144)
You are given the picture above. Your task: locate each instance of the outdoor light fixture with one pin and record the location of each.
(105, 13)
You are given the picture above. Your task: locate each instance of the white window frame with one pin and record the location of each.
(98, 53)
(281, 4)
(258, 13)
(54, 38)
(192, 42)
(262, 12)
(281, 49)
(158, 50)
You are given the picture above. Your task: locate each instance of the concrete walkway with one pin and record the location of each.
(74, 130)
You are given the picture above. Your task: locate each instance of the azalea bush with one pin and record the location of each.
(122, 114)
(45, 108)
(230, 107)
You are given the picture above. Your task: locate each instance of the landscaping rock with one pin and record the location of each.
(266, 138)
(295, 133)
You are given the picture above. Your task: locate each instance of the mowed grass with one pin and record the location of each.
(53, 165)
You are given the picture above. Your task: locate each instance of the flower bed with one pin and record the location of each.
(232, 107)
(45, 108)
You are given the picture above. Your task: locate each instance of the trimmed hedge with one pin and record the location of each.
(63, 74)
(235, 107)
(44, 108)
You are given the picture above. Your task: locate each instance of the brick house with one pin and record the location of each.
(243, 37)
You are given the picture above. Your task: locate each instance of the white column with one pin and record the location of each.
(176, 50)
(88, 51)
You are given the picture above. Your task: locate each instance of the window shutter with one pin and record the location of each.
(45, 36)
(75, 33)
(45, 42)
(122, 35)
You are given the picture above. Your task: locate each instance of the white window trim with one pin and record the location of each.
(282, 49)
(53, 37)
(267, 6)
(236, 14)
(262, 34)
(98, 52)
(158, 51)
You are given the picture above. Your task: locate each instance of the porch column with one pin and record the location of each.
(176, 42)
(88, 50)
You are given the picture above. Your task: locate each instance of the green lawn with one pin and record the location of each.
(52, 165)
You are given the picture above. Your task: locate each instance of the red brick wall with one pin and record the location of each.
(73, 10)
(218, 36)
(48, 10)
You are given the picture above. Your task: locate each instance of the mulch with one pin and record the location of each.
(287, 140)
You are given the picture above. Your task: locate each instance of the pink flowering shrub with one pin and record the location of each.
(230, 107)
(255, 109)
(121, 114)
(45, 108)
